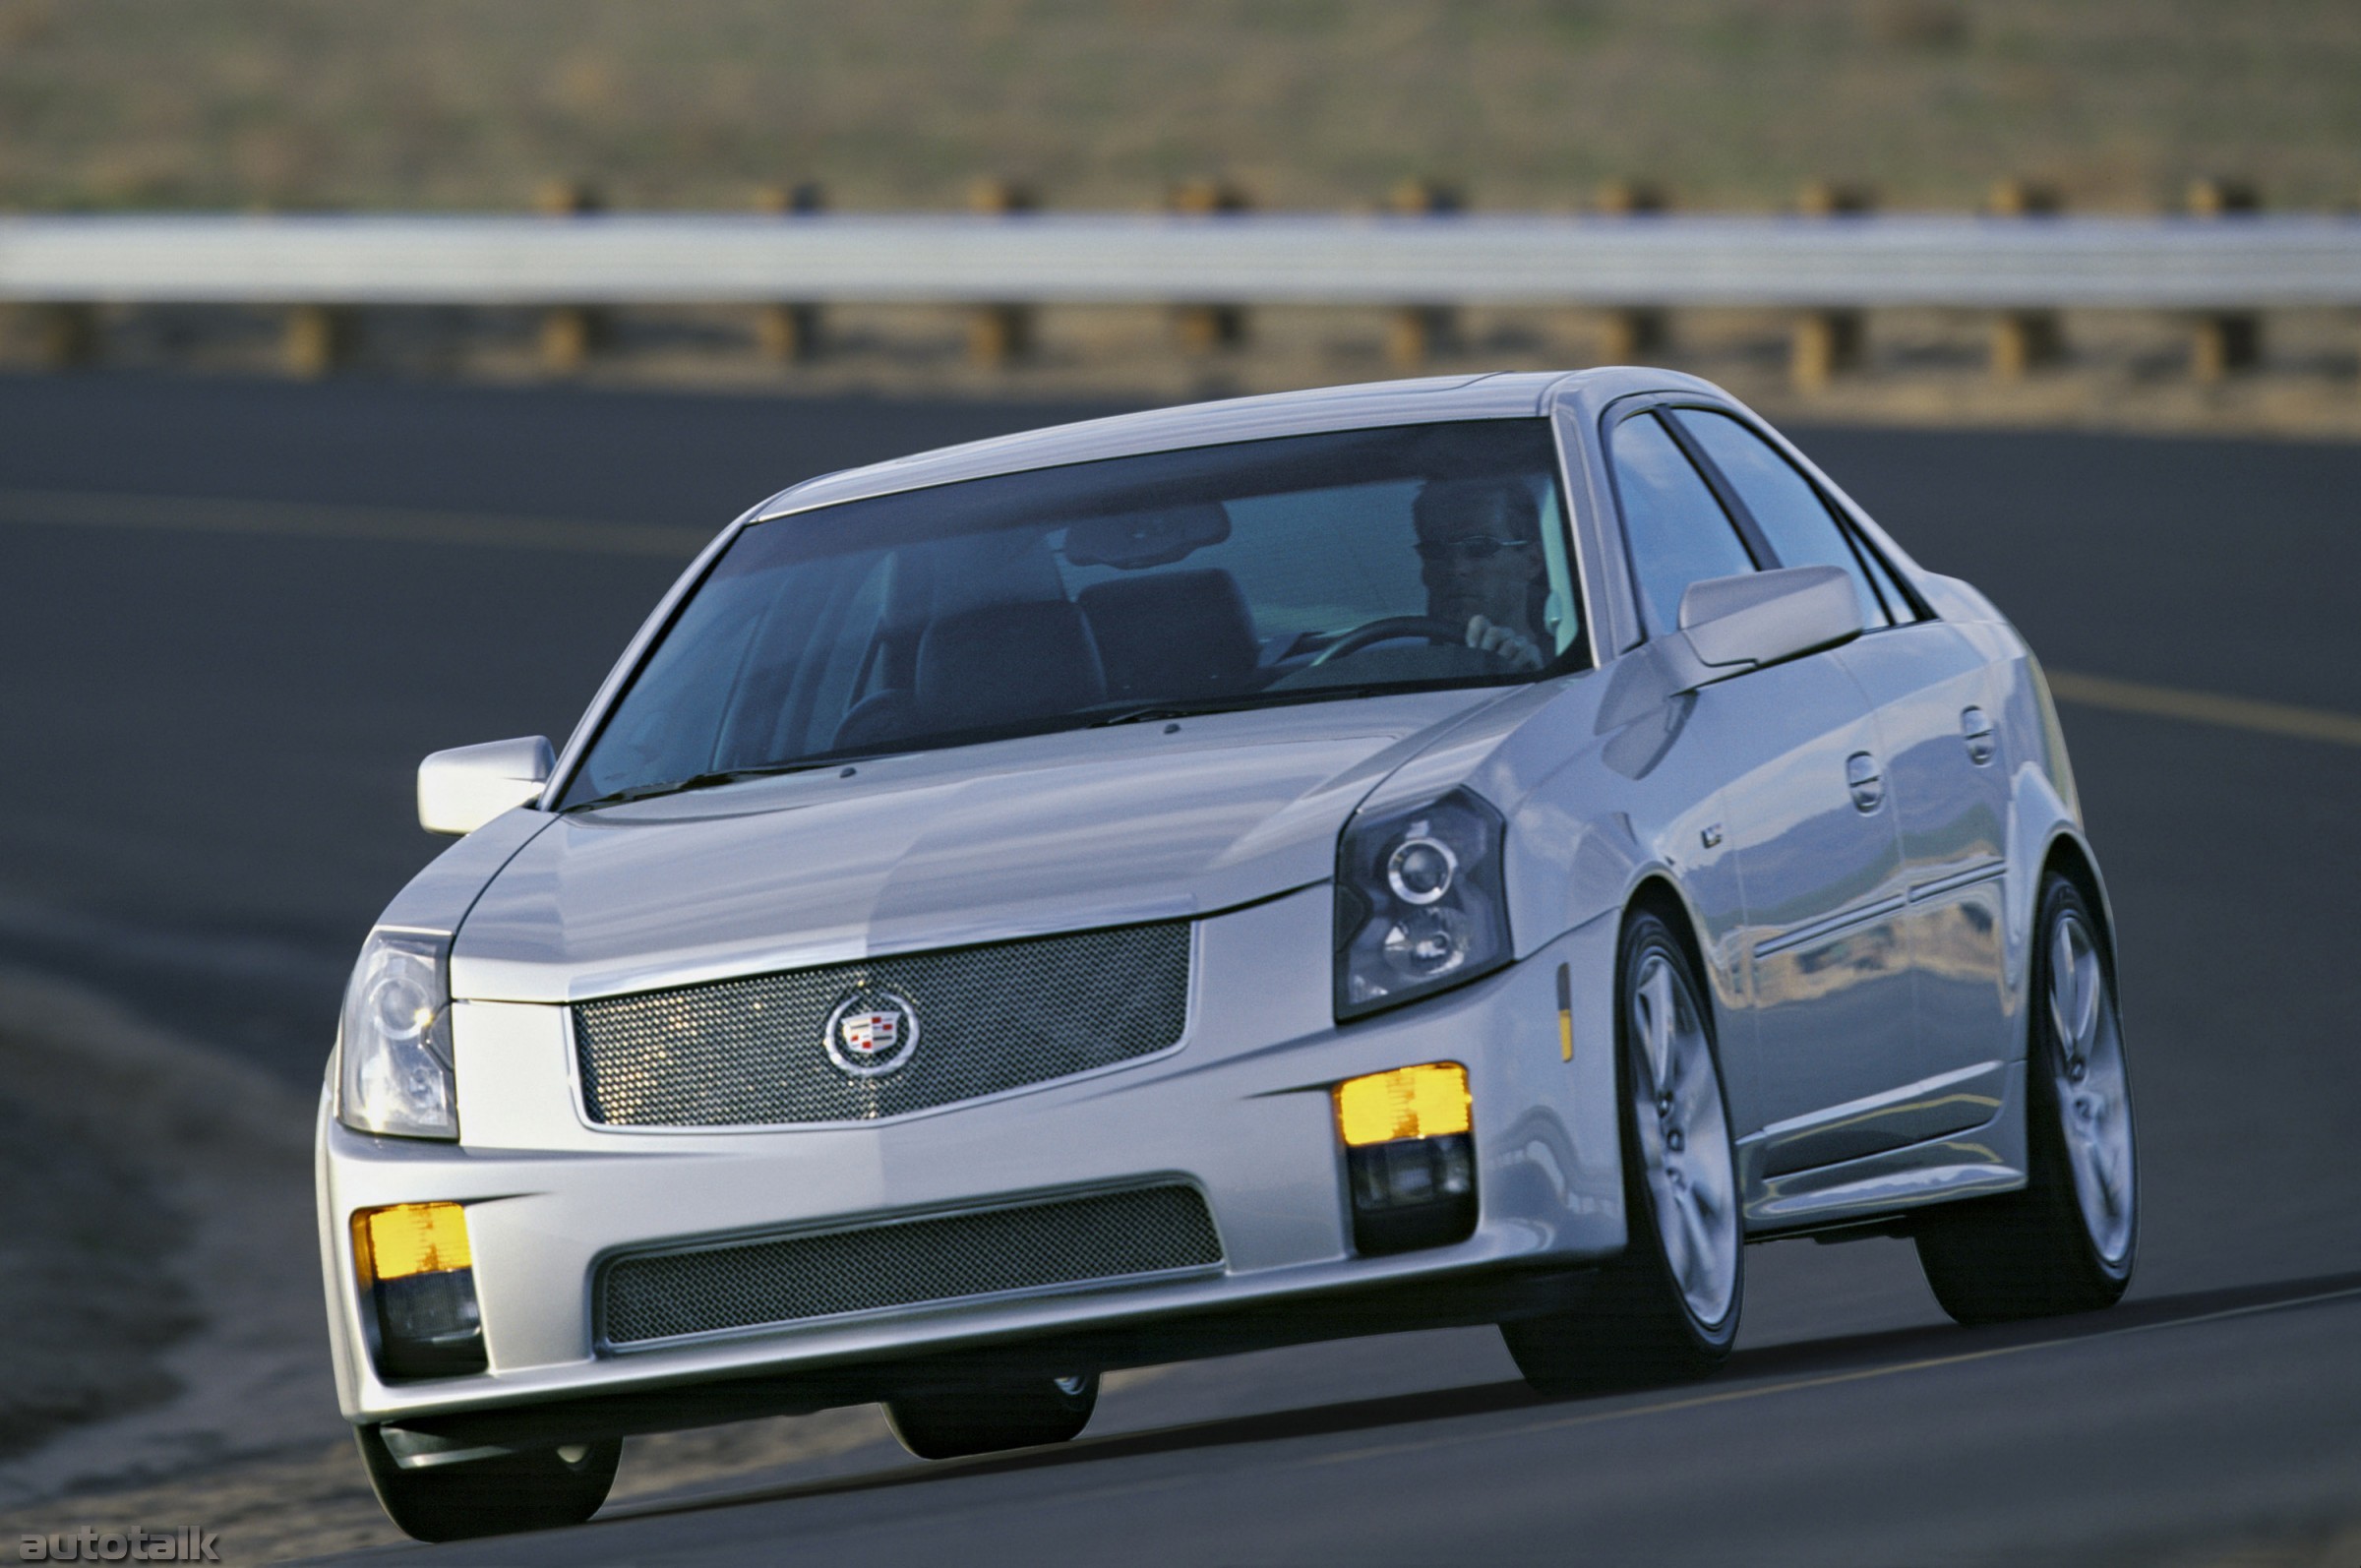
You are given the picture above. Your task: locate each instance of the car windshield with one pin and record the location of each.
(1253, 573)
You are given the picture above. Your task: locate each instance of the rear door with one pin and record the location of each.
(1933, 694)
(1828, 1016)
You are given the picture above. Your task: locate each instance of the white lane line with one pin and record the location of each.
(2206, 707)
(75, 508)
(1827, 1380)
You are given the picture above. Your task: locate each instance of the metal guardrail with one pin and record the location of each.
(1669, 260)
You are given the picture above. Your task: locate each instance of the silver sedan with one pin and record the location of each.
(1463, 851)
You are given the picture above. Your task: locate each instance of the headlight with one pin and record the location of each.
(397, 1040)
(1418, 903)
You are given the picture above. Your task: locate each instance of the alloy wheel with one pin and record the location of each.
(2093, 1097)
(1684, 1140)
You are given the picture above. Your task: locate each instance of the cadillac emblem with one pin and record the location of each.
(871, 1032)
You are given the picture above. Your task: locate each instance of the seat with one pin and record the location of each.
(1006, 663)
(1173, 635)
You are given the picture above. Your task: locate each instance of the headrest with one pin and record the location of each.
(1007, 662)
(1172, 634)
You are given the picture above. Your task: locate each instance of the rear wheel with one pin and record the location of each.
(2064, 1242)
(1667, 1308)
(987, 1417)
(541, 1489)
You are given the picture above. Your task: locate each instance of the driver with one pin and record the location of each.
(1480, 554)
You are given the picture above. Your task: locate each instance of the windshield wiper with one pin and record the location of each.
(1146, 712)
(727, 776)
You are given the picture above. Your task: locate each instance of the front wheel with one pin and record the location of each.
(1667, 1310)
(2063, 1242)
(987, 1417)
(541, 1489)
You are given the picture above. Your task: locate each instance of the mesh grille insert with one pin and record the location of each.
(1109, 1235)
(752, 1052)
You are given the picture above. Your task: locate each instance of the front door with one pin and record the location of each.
(1827, 1017)
(1936, 743)
(1811, 822)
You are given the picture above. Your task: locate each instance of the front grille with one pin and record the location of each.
(1109, 1235)
(752, 1052)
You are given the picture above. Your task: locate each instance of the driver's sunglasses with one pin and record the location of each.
(1469, 547)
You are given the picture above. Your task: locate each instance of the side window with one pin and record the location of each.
(1794, 521)
(1897, 603)
(1673, 528)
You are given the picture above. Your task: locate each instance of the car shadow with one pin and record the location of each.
(1777, 1363)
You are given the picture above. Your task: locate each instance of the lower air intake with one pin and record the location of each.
(742, 1285)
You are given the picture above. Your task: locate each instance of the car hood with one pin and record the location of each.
(932, 849)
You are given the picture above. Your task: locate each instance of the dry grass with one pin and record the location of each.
(1102, 103)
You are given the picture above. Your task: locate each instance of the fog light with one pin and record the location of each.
(1409, 1157)
(1429, 1102)
(415, 1265)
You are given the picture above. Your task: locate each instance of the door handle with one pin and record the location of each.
(1977, 731)
(1867, 783)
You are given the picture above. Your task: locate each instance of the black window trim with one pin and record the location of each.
(1863, 552)
(1619, 414)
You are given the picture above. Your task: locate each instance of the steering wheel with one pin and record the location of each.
(1386, 628)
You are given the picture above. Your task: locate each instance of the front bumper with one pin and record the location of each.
(1240, 1108)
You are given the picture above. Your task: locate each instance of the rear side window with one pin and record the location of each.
(1674, 530)
(1794, 521)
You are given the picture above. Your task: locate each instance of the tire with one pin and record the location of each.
(2065, 1241)
(990, 1417)
(543, 1489)
(1667, 1310)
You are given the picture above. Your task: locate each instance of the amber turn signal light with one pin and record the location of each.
(417, 1271)
(1428, 1101)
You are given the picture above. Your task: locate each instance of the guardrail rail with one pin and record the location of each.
(2216, 264)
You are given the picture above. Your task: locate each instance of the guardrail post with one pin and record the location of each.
(58, 337)
(1632, 334)
(1000, 334)
(789, 334)
(1826, 342)
(1414, 333)
(2222, 342)
(570, 333)
(317, 340)
(1202, 329)
(2023, 340)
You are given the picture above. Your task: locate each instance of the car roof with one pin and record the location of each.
(1496, 396)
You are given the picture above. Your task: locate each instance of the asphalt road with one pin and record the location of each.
(213, 713)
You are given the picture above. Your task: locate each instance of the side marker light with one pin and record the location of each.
(1565, 1013)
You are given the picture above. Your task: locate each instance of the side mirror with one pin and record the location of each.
(461, 790)
(1758, 618)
